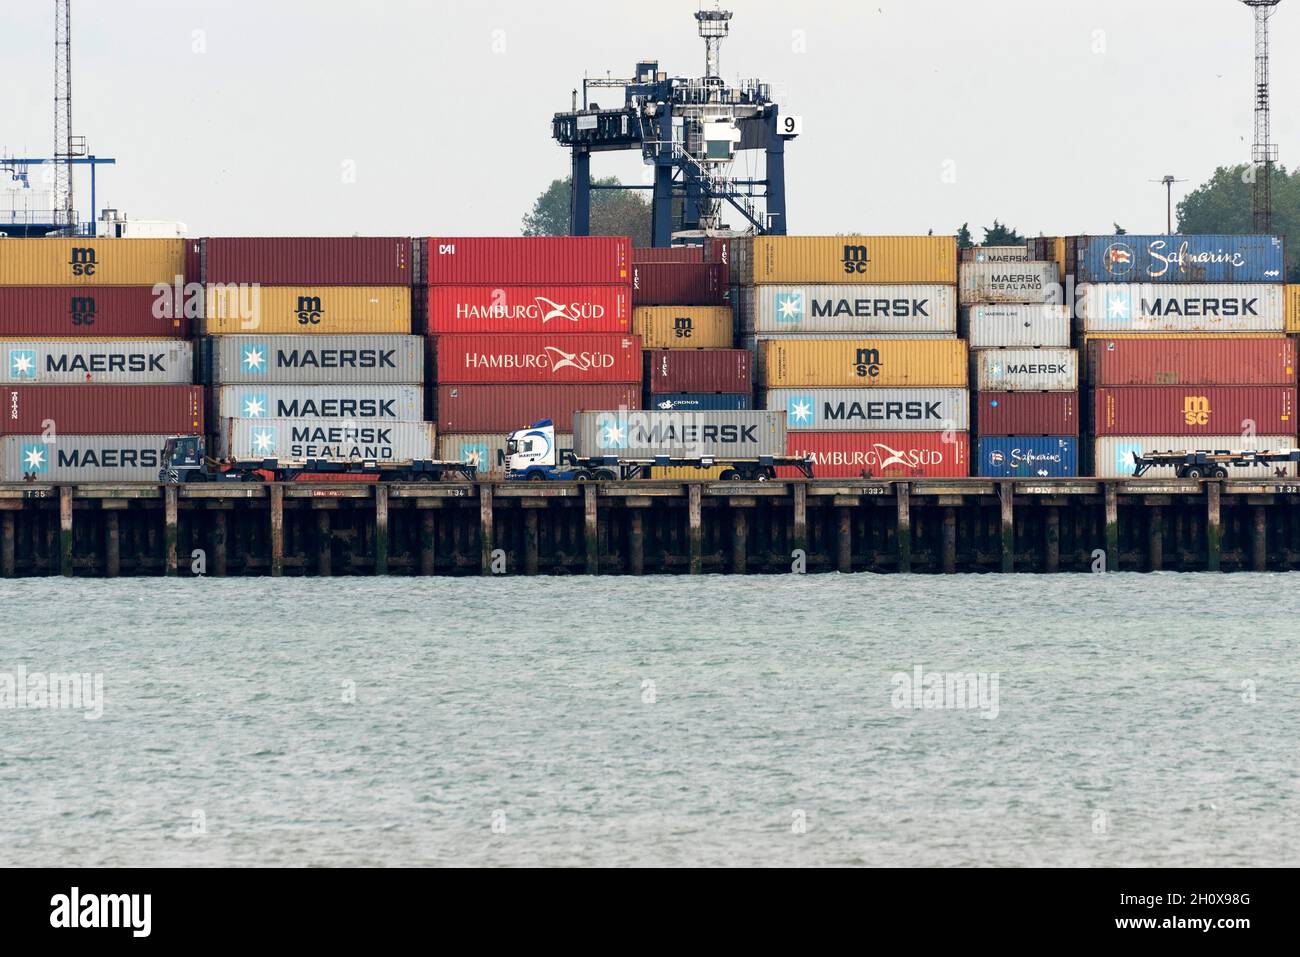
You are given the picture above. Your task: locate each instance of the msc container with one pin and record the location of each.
(1038, 283)
(1293, 309)
(1027, 370)
(844, 259)
(882, 454)
(1179, 259)
(864, 310)
(104, 361)
(1028, 413)
(101, 409)
(389, 403)
(299, 310)
(679, 284)
(698, 370)
(309, 261)
(643, 435)
(873, 410)
(528, 261)
(291, 439)
(1177, 307)
(683, 327)
(318, 360)
(86, 311)
(799, 363)
(505, 408)
(1161, 361)
(673, 254)
(81, 458)
(1052, 456)
(91, 262)
(486, 451)
(529, 309)
(1194, 410)
(996, 254)
(701, 402)
(1025, 326)
(464, 360)
(1113, 455)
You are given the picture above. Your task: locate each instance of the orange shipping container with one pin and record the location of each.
(683, 327)
(307, 310)
(864, 363)
(1292, 308)
(844, 259)
(91, 262)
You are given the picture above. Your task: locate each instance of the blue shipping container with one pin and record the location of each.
(701, 402)
(1180, 259)
(1052, 457)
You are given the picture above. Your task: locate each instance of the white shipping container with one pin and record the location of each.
(1027, 370)
(486, 451)
(294, 439)
(1113, 454)
(858, 310)
(318, 360)
(100, 361)
(995, 254)
(1010, 325)
(387, 403)
(872, 410)
(1035, 282)
(81, 458)
(1182, 307)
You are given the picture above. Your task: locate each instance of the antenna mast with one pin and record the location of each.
(1264, 153)
(63, 147)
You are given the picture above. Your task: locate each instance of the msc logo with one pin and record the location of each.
(789, 307)
(1196, 410)
(683, 327)
(22, 364)
(856, 259)
(264, 441)
(253, 358)
(83, 261)
(309, 310)
(611, 432)
(1118, 259)
(83, 310)
(867, 364)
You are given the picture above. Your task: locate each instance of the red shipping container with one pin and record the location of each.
(881, 454)
(194, 260)
(1162, 361)
(537, 359)
(1195, 410)
(1028, 413)
(102, 409)
(698, 370)
(527, 261)
(311, 261)
(505, 408)
(63, 312)
(679, 284)
(673, 254)
(529, 309)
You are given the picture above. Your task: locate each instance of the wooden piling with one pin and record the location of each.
(219, 533)
(1156, 537)
(381, 529)
(324, 540)
(170, 530)
(277, 530)
(591, 529)
(739, 541)
(485, 528)
(1052, 541)
(113, 537)
(428, 540)
(695, 527)
(844, 540)
(530, 535)
(1007, 499)
(1259, 541)
(8, 553)
(1112, 528)
(1213, 533)
(799, 522)
(903, 531)
(65, 531)
(950, 541)
(635, 542)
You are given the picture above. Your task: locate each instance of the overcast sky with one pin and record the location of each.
(242, 116)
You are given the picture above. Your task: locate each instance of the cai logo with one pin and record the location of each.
(1196, 410)
(22, 364)
(36, 459)
(1124, 457)
(611, 432)
(1118, 259)
(264, 441)
(801, 410)
(475, 455)
(789, 307)
(253, 358)
(254, 406)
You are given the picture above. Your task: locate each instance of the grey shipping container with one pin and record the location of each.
(318, 360)
(1016, 325)
(1182, 307)
(1027, 370)
(872, 410)
(291, 439)
(645, 435)
(81, 458)
(390, 403)
(101, 361)
(485, 451)
(995, 254)
(855, 309)
(1009, 282)
(1113, 454)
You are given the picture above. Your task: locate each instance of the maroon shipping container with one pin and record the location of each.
(673, 254)
(679, 284)
(528, 309)
(527, 261)
(698, 370)
(1028, 413)
(537, 359)
(1195, 410)
(309, 261)
(194, 260)
(61, 312)
(102, 409)
(1163, 361)
(505, 408)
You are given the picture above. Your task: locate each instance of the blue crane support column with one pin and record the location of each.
(775, 177)
(662, 205)
(691, 209)
(580, 194)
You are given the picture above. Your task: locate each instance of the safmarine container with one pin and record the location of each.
(1177, 307)
(309, 261)
(529, 309)
(865, 310)
(537, 359)
(1179, 259)
(882, 454)
(843, 259)
(1009, 282)
(679, 284)
(1029, 457)
(700, 402)
(683, 327)
(698, 370)
(101, 409)
(85, 311)
(527, 261)
(1028, 413)
(1113, 455)
(1010, 326)
(81, 458)
(307, 310)
(486, 451)
(318, 360)
(644, 435)
(505, 408)
(801, 363)
(387, 403)
(1027, 370)
(91, 262)
(1162, 361)
(103, 361)
(873, 410)
(996, 254)
(1194, 410)
(293, 439)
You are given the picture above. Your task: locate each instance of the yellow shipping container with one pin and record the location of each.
(1102, 336)
(683, 327)
(686, 473)
(844, 259)
(1293, 308)
(864, 363)
(91, 262)
(287, 310)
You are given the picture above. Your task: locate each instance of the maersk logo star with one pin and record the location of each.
(264, 441)
(475, 455)
(789, 307)
(254, 406)
(254, 358)
(611, 432)
(22, 364)
(35, 459)
(799, 410)
(1118, 307)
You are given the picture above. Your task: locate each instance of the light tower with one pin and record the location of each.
(714, 25)
(1264, 153)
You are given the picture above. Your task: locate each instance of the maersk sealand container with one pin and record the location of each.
(1053, 456)
(1185, 259)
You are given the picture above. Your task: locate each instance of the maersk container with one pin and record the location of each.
(97, 311)
(309, 261)
(1113, 455)
(318, 360)
(863, 310)
(679, 284)
(644, 435)
(81, 458)
(882, 454)
(307, 310)
(1010, 326)
(701, 402)
(529, 309)
(386, 403)
(1032, 282)
(102, 361)
(683, 327)
(505, 408)
(1179, 307)
(1053, 456)
(292, 439)
(1180, 259)
(101, 409)
(528, 261)
(465, 360)
(995, 254)
(860, 363)
(1027, 370)
(1194, 410)
(873, 410)
(698, 370)
(486, 451)
(1156, 360)
(92, 262)
(843, 259)
(1003, 414)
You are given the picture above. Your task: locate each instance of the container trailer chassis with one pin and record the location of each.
(571, 468)
(1207, 464)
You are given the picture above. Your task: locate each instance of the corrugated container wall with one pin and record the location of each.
(102, 409)
(700, 402)
(1017, 326)
(794, 363)
(643, 435)
(883, 454)
(674, 254)
(89, 311)
(308, 310)
(1028, 413)
(486, 451)
(679, 284)
(528, 261)
(528, 309)
(82, 458)
(388, 403)
(683, 327)
(1180, 259)
(1161, 361)
(1009, 282)
(289, 439)
(698, 370)
(309, 261)
(1222, 307)
(91, 262)
(103, 361)
(1194, 410)
(537, 359)
(844, 259)
(1293, 309)
(873, 410)
(318, 360)
(864, 310)
(996, 254)
(1113, 455)
(498, 408)
(1029, 457)
(1027, 370)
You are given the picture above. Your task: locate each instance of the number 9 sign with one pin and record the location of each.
(790, 125)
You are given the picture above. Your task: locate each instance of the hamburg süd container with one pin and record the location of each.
(1155, 360)
(988, 282)
(1027, 370)
(1178, 307)
(318, 360)
(387, 403)
(529, 309)
(864, 310)
(309, 261)
(843, 259)
(103, 361)
(683, 327)
(132, 312)
(1051, 456)
(679, 284)
(1194, 410)
(505, 408)
(873, 410)
(701, 402)
(1113, 455)
(1179, 259)
(92, 262)
(527, 261)
(996, 254)
(81, 458)
(698, 370)
(1017, 325)
(645, 435)
(486, 451)
(541, 359)
(307, 310)
(882, 454)
(912, 363)
(1003, 414)
(101, 409)
(325, 439)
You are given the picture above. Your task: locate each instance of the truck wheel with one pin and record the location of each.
(536, 477)
(1194, 472)
(730, 475)
(604, 475)
(1220, 473)
(582, 476)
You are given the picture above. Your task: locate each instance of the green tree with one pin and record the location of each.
(614, 212)
(999, 235)
(1119, 230)
(963, 237)
(1224, 204)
